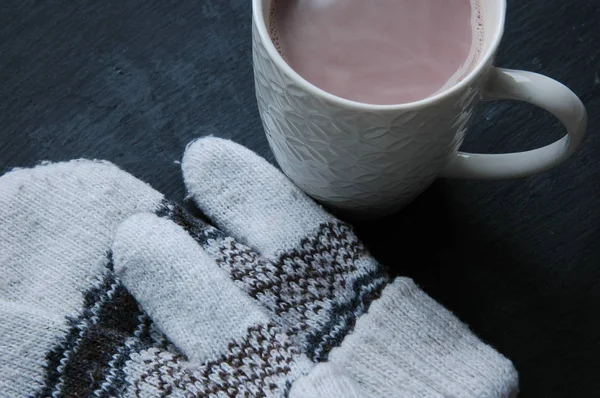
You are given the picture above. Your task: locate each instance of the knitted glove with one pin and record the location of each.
(70, 328)
(318, 281)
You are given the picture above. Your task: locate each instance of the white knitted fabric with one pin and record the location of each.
(408, 345)
(27, 334)
(318, 280)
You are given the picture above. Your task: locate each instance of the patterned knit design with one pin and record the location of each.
(316, 289)
(90, 358)
(257, 366)
(112, 338)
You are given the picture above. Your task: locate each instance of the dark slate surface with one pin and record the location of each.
(133, 81)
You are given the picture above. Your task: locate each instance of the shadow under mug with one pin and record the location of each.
(370, 160)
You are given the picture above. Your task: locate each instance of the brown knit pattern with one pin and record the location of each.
(301, 277)
(260, 365)
(316, 289)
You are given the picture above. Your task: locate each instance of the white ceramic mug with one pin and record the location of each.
(373, 159)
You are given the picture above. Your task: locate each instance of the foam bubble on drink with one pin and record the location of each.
(272, 26)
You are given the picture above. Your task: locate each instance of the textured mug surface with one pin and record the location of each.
(366, 159)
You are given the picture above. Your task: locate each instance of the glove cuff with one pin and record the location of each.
(427, 349)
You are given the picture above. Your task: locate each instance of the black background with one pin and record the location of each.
(133, 81)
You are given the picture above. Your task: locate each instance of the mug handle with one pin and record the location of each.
(538, 90)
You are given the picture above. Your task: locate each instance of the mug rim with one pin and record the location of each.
(261, 26)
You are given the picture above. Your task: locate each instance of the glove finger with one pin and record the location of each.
(189, 298)
(320, 278)
(200, 309)
(247, 197)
